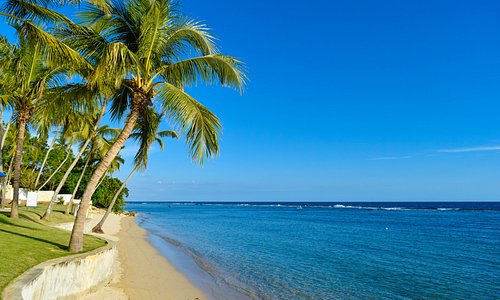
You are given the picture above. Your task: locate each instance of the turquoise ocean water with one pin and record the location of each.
(331, 250)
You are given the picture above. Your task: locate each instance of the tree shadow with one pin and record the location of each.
(22, 216)
(60, 246)
(8, 222)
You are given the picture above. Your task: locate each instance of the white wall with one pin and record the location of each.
(67, 277)
(45, 196)
(9, 193)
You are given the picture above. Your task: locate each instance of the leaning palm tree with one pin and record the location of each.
(100, 142)
(47, 153)
(142, 52)
(78, 126)
(146, 132)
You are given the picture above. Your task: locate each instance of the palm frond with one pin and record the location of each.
(116, 62)
(210, 68)
(146, 132)
(201, 127)
(58, 53)
(188, 33)
(36, 11)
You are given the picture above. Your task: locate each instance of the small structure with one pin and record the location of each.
(32, 199)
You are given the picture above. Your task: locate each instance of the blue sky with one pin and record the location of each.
(347, 101)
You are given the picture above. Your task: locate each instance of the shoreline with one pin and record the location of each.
(142, 272)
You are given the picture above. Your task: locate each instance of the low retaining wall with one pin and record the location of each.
(87, 228)
(66, 277)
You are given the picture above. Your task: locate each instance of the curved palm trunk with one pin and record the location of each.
(45, 158)
(63, 181)
(22, 120)
(76, 241)
(3, 135)
(9, 171)
(57, 170)
(75, 190)
(6, 131)
(2, 193)
(6, 181)
(98, 227)
(100, 181)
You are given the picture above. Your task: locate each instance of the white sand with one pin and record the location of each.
(141, 272)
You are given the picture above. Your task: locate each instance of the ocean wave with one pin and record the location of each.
(318, 205)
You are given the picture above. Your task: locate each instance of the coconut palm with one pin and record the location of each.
(49, 149)
(146, 132)
(5, 57)
(81, 126)
(100, 142)
(33, 76)
(36, 63)
(141, 50)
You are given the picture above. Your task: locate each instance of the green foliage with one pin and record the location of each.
(137, 55)
(105, 192)
(34, 151)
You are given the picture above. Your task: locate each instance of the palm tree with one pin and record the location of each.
(146, 132)
(5, 53)
(51, 147)
(141, 50)
(99, 144)
(33, 76)
(36, 63)
(77, 124)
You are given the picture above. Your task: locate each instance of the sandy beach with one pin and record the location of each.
(141, 271)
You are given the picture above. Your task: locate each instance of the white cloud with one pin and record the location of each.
(390, 157)
(470, 149)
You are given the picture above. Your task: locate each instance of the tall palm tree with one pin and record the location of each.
(49, 149)
(80, 128)
(99, 144)
(33, 75)
(36, 64)
(142, 53)
(146, 132)
(6, 50)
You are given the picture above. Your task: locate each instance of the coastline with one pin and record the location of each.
(141, 271)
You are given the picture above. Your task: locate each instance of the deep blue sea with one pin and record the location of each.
(422, 250)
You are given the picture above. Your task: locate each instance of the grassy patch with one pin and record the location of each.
(29, 241)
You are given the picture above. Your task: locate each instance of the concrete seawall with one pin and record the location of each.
(66, 277)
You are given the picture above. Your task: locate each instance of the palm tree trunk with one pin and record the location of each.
(46, 157)
(63, 181)
(22, 120)
(2, 193)
(75, 190)
(76, 241)
(3, 135)
(57, 170)
(98, 227)
(100, 181)
(9, 171)
(6, 131)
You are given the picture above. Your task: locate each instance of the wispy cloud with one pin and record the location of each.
(470, 149)
(390, 157)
